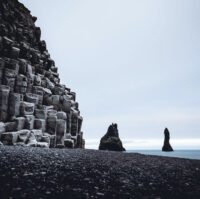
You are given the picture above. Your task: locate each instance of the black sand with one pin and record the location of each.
(63, 173)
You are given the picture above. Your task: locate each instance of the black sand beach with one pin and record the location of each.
(63, 173)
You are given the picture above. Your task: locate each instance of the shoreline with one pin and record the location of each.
(186, 154)
(85, 173)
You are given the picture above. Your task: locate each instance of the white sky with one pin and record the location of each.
(136, 63)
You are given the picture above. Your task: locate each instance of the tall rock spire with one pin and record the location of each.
(166, 146)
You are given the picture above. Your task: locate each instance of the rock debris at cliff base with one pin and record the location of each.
(30, 172)
(35, 109)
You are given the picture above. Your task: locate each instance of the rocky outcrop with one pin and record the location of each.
(166, 146)
(111, 141)
(35, 109)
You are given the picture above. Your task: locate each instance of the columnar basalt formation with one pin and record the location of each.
(166, 146)
(35, 109)
(111, 141)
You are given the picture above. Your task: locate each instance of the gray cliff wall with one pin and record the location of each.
(35, 109)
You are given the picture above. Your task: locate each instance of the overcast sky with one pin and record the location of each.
(136, 63)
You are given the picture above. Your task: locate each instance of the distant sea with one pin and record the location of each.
(191, 154)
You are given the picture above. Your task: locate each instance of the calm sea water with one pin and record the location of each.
(191, 154)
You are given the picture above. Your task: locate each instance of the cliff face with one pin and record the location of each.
(35, 109)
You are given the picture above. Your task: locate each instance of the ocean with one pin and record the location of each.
(191, 154)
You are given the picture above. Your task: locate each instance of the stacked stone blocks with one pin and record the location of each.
(35, 109)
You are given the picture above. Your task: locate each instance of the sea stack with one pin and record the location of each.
(166, 146)
(111, 141)
(35, 108)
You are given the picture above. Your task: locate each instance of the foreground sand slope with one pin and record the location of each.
(64, 173)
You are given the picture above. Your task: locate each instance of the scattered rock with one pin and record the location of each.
(69, 143)
(37, 173)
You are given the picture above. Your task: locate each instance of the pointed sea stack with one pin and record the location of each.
(167, 146)
(111, 141)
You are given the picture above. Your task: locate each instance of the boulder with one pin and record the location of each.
(21, 84)
(4, 96)
(111, 141)
(2, 128)
(58, 90)
(10, 126)
(52, 112)
(29, 71)
(22, 66)
(32, 98)
(74, 138)
(29, 122)
(1, 75)
(55, 101)
(14, 104)
(40, 124)
(68, 136)
(43, 144)
(38, 134)
(66, 103)
(69, 143)
(74, 124)
(46, 138)
(52, 141)
(22, 135)
(166, 146)
(20, 123)
(60, 146)
(51, 124)
(27, 108)
(79, 140)
(9, 81)
(80, 121)
(30, 85)
(37, 80)
(60, 131)
(40, 97)
(13, 64)
(31, 140)
(14, 53)
(40, 114)
(20, 144)
(2, 64)
(61, 115)
(9, 138)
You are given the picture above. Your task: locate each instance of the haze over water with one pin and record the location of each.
(191, 154)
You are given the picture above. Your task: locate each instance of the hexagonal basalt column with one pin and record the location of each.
(4, 96)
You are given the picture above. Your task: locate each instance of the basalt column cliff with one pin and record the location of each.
(35, 109)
